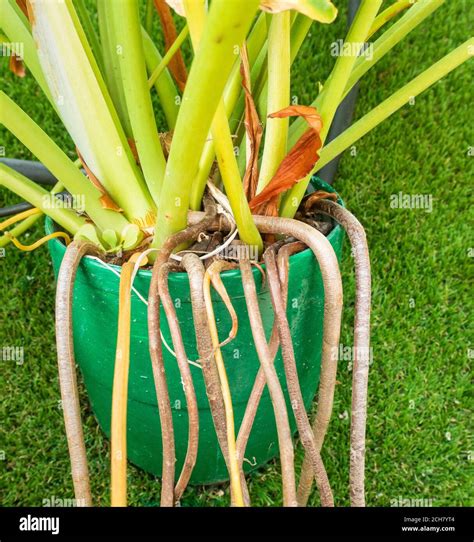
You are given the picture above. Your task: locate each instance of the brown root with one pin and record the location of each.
(195, 270)
(360, 371)
(156, 353)
(67, 369)
(259, 384)
(274, 387)
(291, 373)
(188, 385)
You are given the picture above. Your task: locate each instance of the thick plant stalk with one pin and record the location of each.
(377, 115)
(54, 158)
(234, 471)
(278, 98)
(67, 370)
(234, 101)
(187, 380)
(360, 370)
(304, 427)
(37, 196)
(226, 25)
(118, 438)
(195, 270)
(85, 106)
(128, 34)
(223, 144)
(356, 36)
(156, 353)
(274, 386)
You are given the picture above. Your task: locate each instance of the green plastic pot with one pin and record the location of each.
(95, 314)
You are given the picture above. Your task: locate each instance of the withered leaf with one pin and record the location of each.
(176, 65)
(296, 165)
(106, 201)
(253, 129)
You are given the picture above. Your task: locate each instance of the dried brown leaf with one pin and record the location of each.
(176, 65)
(253, 128)
(17, 66)
(106, 201)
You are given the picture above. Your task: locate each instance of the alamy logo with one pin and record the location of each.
(12, 49)
(344, 48)
(12, 353)
(32, 523)
(401, 502)
(412, 201)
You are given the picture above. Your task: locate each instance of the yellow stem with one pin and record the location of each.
(236, 488)
(20, 216)
(42, 241)
(120, 389)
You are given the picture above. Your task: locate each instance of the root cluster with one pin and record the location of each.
(293, 236)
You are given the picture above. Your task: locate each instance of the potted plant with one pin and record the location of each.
(179, 383)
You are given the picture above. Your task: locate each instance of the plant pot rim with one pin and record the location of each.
(317, 184)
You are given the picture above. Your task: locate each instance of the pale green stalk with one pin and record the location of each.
(232, 93)
(345, 62)
(91, 34)
(223, 144)
(164, 84)
(52, 157)
(278, 96)
(126, 24)
(378, 115)
(38, 196)
(112, 73)
(150, 10)
(299, 30)
(227, 24)
(389, 39)
(86, 108)
(168, 56)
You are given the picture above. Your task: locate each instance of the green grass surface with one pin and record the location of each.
(419, 440)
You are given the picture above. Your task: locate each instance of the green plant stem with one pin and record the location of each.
(150, 10)
(126, 24)
(37, 196)
(226, 25)
(345, 62)
(223, 144)
(112, 66)
(389, 39)
(91, 34)
(164, 84)
(299, 30)
(51, 156)
(278, 96)
(232, 93)
(17, 30)
(378, 115)
(168, 56)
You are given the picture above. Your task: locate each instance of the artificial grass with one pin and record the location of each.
(419, 440)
